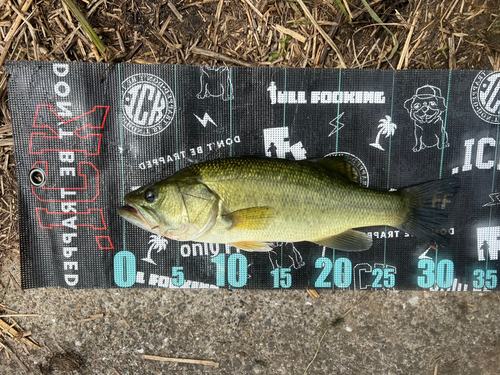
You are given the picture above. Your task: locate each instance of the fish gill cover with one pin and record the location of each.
(87, 134)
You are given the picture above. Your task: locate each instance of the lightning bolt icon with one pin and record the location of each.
(337, 125)
(495, 199)
(205, 120)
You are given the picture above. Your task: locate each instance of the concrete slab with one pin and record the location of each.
(262, 332)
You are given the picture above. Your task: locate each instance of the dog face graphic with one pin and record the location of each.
(426, 109)
(426, 105)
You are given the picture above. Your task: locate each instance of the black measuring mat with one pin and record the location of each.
(86, 134)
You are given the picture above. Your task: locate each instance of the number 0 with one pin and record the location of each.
(124, 269)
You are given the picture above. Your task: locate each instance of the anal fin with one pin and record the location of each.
(255, 246)
(350, 240)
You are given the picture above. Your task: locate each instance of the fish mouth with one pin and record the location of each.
(126, 211)
(134, 216)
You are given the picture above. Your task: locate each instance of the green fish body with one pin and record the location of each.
(251, 202)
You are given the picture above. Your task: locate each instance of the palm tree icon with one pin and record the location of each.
(156, 242)
(387, 128)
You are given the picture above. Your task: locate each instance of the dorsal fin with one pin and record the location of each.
(339, 164)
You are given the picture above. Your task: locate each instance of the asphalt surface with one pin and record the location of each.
(260, 332)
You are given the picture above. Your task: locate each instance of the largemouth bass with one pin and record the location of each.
(251, 202)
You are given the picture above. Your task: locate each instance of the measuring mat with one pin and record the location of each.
(86, 134)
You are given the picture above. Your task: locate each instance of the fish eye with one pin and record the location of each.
(150, 196)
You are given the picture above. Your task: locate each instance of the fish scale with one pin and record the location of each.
(249, 202)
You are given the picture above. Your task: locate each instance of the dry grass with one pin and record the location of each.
(432, 34)
(9, 235)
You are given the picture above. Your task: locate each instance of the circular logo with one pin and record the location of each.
(357, 164)
(148, 104)
(485, 96)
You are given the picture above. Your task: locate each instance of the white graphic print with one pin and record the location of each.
(357, 164)
(215, 82)
(485, 96)
(426, 109)
(205, 120)
(291, 258)
(495, 199)
(488, 243)
(148, 104)
(158, 243)
(387, 128)
(455, 287)
(480, 156)
(288, 97)
(424, 254)
(337, 125)
(363, 274)
(161, 281)
(277, 144)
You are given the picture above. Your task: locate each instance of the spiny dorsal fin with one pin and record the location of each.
(350, 240)
(339, 164)
(250, 218)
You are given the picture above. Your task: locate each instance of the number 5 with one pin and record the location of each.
(177, 276)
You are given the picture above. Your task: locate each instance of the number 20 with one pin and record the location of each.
(342, 273)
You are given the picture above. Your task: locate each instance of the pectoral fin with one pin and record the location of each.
(253, 246)
(250, 218)
(350, 240)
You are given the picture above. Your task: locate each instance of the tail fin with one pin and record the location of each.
(430, 205)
